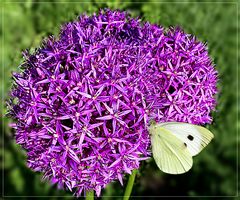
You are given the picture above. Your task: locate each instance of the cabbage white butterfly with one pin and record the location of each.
(174, 144)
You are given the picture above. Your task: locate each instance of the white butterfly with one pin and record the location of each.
(174, 144)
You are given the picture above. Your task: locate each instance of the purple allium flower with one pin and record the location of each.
(83, 102)
(190, 80)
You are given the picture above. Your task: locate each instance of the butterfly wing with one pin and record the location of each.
(195, 137)
(169, 152)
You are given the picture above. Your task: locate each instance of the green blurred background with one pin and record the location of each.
(24, 25)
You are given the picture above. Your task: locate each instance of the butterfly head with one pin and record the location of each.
(152, 127)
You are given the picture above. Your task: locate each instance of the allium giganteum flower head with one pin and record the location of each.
(83, 101)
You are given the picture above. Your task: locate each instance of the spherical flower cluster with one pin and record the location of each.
(82, 102)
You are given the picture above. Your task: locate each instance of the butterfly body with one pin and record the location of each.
(174, 144)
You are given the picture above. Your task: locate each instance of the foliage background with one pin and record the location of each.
(24, 25)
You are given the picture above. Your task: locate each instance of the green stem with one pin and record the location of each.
(89, 195)
(129, 187)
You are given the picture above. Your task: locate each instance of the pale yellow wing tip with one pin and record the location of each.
(205, 131)
(174, 172)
